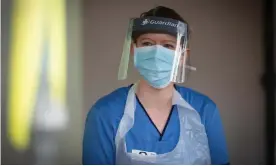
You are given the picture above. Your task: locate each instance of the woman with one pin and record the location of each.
(155, 121)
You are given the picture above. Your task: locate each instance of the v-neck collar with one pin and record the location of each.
(153, 124)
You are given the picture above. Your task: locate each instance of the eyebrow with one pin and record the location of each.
(170, 41)
(146, 38)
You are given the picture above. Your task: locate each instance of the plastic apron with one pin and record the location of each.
(192, 147)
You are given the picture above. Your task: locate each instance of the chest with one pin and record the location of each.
(145, 136)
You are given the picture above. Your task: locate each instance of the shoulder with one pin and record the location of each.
(194, 97)
(111, 105)
(115, 98)
(200, 102)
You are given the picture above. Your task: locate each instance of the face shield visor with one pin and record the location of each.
(158, 58)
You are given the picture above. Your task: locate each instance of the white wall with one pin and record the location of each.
(226, 49)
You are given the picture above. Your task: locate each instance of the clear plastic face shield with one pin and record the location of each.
(157, 57)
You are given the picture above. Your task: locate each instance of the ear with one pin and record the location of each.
(186, 53)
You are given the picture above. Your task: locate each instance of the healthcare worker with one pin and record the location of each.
(154, 120)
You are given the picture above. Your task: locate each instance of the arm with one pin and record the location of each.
(215, 133)
(98, 144)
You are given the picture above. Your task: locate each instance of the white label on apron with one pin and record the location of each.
(140, 152)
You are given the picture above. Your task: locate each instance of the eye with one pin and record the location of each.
(146, 43)
(169, 46)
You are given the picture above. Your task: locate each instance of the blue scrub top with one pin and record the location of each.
(104, 117)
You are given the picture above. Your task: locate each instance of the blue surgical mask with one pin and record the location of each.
(154, 63)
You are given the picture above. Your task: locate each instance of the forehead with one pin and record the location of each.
(157, 37)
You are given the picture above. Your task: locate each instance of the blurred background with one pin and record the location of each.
(59, 56)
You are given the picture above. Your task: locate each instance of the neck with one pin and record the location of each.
(155, 98)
